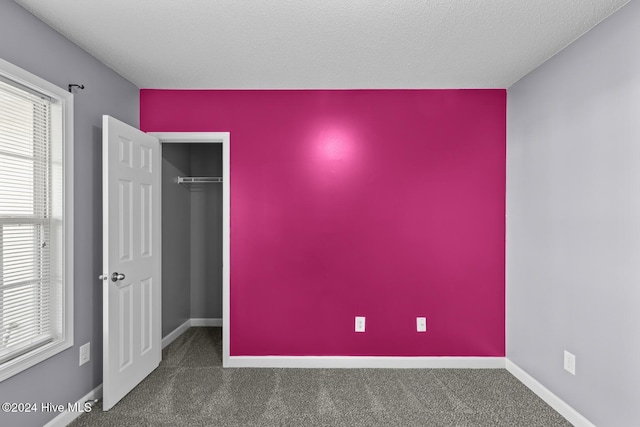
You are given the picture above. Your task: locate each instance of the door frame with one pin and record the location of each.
(219, 138)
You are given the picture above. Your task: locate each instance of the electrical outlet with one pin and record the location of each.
(359, 323)
(421, 324)
(569, 362)
(85, 353)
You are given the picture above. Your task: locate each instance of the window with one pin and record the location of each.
(36, 275)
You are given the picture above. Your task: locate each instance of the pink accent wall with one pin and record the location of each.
(388, 204)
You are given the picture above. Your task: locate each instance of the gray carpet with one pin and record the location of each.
(190, 388)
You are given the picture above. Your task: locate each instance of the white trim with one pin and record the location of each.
(563, 408)
(62, 105)
(171, 336)
(226, 250)
(338, 362)
(32, 81)
(191, 137)
(66, 417)
(378, 362)
(215, 322)
(189, 323)
(223, 138)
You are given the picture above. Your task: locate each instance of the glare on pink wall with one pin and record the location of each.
(385, 204)
(334, 153)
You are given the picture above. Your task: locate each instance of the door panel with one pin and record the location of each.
(131, 221)
(125, 323)
(125, 218)
(146, 214)
(146, 310)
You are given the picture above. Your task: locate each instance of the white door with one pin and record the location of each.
(131, 258)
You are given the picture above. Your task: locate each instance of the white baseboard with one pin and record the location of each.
(563, 408)
(171, 336)
(339, 362)
(66, 417)
(206, 322)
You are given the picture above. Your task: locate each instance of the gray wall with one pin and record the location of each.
(573, 222)
(176, 237)
(28, 43)
(206, 234)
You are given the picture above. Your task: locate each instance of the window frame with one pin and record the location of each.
(62, 140)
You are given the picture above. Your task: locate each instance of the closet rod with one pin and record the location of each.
(199, 179)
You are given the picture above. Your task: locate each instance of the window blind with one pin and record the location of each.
(27, 315)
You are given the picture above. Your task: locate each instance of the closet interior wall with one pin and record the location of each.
(191, 235)
(206, 234)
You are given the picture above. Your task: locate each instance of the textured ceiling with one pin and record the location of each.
(322, 43)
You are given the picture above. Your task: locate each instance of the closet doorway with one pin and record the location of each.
(195, 232)
(134, 307)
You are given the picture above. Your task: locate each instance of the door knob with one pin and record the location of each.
(103, 277)
(117, 276)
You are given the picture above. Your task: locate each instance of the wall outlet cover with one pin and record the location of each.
(569, 362)
(360, 323)
(421, 324)
(85, 353)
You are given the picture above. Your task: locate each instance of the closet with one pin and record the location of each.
(191, 234)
